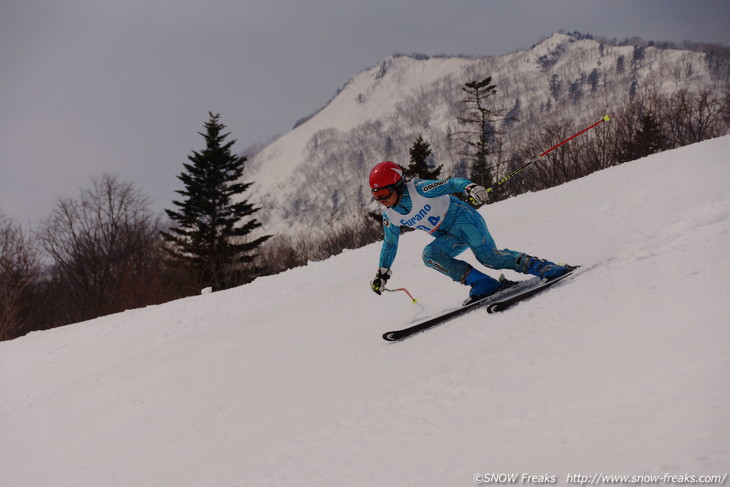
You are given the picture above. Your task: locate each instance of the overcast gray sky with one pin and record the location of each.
(123, 86)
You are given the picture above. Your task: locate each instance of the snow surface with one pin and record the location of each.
(287, 381)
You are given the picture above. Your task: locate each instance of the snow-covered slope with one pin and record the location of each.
(286, 381)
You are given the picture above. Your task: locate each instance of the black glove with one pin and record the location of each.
(381, 277)
(476, 193)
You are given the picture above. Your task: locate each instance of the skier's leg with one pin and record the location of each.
(440, 254)
(471, 228)
(519, 262)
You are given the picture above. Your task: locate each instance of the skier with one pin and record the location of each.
(456, 226)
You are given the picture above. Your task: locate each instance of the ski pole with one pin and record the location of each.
(605, 118)
(413, 300)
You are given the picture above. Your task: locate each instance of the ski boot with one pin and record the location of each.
(483, 286)
(544, 269)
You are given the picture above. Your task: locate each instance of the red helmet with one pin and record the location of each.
(386, 173)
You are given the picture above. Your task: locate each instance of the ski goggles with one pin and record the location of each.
(382, 194)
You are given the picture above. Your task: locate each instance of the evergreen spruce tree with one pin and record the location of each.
(213, 222)
(649, 138)
(421, 165)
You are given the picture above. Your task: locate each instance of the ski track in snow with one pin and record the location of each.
(286, 381)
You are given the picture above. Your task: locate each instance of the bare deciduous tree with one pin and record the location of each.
(106, 251)
(19, 269)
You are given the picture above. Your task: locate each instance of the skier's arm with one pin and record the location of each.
(440, 187)
(390, 243)
(431, 189)
(387, 255)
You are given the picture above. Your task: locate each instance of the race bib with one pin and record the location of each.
(426, 214)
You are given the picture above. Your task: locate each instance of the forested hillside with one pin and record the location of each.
(317, 172)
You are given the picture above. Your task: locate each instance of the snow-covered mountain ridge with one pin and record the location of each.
(318, 171)
(286, 380)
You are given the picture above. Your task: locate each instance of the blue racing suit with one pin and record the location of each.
(454, 224)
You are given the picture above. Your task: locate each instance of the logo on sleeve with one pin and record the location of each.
(435, 185)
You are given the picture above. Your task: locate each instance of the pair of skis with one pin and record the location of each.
(494, 303)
